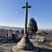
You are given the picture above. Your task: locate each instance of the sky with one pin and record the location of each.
(12, 14)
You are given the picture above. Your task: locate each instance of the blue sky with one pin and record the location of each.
(12, 14)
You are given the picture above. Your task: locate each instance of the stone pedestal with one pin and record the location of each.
(24, 44)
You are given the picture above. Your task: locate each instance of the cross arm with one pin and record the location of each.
(23, 7)
(27, 7)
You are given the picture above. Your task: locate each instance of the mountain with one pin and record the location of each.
(12, 28)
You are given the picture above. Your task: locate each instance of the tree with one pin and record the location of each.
(22, 33)
(33, 25)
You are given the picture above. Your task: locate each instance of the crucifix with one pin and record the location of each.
(24, 43)
(26, 17)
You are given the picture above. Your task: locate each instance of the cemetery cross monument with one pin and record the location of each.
(26, 19)
(24, 43)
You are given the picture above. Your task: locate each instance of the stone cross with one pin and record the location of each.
(26, 17)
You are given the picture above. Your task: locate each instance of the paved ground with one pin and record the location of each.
(41, 45)
(7, 47)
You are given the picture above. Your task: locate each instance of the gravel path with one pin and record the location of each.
(6, 47)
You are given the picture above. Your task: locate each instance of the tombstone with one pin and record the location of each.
(7, 36)
(17, 34)
(13, 37)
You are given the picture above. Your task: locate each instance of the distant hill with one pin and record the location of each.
(45, 30)
(20, 28)
(13, 28)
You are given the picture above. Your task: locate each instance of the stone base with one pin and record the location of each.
(24, 44)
